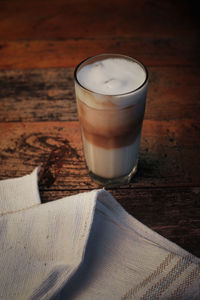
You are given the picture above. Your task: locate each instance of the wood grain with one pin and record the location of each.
(152, 51)
(168, 154)
(74, 19)
(172, 212)
(48, 94)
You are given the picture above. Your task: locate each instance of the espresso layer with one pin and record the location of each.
(111, 129)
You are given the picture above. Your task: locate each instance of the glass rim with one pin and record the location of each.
(107, 55)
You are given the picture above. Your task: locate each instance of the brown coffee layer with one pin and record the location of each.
(110, 142)
(110, 128)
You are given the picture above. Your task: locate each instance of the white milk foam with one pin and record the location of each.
(111, 76)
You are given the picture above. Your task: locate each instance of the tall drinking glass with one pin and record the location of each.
(111, 94)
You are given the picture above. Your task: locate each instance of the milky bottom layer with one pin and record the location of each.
(111, 163)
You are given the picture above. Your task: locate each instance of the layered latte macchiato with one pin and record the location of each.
(111, 93)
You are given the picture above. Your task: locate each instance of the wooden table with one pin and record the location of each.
(40, 44)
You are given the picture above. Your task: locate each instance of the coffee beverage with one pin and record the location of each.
(111, 93)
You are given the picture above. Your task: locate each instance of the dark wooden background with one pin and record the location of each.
(40, 44)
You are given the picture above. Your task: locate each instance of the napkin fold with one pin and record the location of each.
(85, 246)
(19, 193)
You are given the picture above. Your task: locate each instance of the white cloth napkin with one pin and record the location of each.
(85, 247)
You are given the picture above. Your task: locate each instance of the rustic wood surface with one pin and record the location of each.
(40, 44)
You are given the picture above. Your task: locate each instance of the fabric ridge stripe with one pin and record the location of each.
(185, 284)
(148, 279)
(161, 286)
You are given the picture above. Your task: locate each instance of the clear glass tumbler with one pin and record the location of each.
(111, 127)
